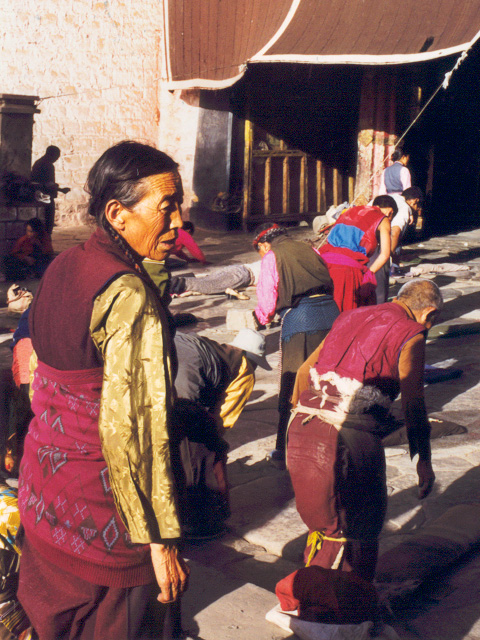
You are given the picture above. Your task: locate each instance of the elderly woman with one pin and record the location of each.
(96, 493)
(294, 282)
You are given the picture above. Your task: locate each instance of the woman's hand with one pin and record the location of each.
(171, 572)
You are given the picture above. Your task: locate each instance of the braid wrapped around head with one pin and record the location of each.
(119, 175)
(267, 233)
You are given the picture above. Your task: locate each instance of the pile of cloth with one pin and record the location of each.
(428, 268)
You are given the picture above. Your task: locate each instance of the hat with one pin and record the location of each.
(253, 343)
(318, 223)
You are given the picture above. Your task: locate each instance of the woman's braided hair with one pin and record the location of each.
(266, 233)
(118, 175)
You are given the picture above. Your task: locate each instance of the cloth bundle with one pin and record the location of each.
(18, 299)
(327, 595)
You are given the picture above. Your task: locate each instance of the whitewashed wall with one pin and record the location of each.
(101, 62)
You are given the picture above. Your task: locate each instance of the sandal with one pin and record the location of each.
(232, 293)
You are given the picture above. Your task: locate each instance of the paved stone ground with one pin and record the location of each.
(234, 578)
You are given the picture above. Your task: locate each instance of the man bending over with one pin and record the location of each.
(343, 394)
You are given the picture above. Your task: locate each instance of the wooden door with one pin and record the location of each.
(283, 184)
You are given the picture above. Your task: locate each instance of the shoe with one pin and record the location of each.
(277, 459)
(232, 293)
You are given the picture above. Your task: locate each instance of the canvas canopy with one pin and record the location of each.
(210, 42)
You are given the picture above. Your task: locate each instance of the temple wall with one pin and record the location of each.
(97, 69)
(178, 135)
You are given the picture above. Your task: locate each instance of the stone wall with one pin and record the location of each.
(96, 66)
(195, 129)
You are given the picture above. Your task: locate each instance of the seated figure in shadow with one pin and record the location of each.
(30, 255)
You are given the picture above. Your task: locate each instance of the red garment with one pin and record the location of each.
(65, 499)
(339, 476)
(331, 597)
(340, 489)
(25, 246)
(185, 241)
(365, 220)
(365, 345)
(92, 265)
(350, 288)
(82, 610)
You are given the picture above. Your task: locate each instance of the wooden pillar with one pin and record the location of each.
(286, 185)
(266, 192)
(16, 132)
(303, 185)
(247, 172)
(351, 188)
(321, 199)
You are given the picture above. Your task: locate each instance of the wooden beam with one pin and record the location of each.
(267, 186)
(247, 172)
(286, 185)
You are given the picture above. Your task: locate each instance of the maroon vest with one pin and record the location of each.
(62, 308)
(364, 344)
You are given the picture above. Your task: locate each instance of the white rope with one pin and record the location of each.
(443, 85)
(448, 75)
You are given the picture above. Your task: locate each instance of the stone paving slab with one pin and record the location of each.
(217, 607)
(448, 609)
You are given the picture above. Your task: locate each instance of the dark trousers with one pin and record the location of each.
(383, 278)
(50, 215)
(61, 606)
(294, 353)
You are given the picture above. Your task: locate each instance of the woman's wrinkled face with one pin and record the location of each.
(150, 227)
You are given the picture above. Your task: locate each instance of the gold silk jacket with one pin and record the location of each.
(135, 404)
